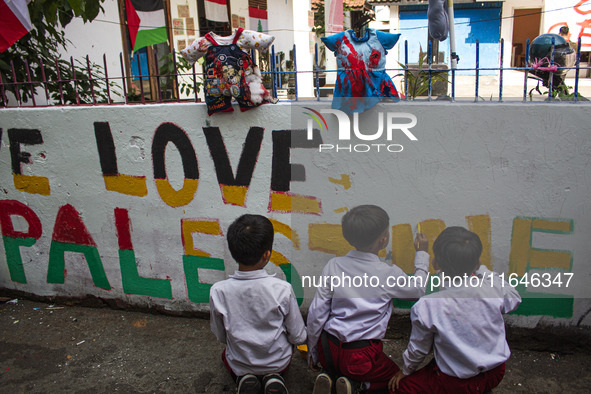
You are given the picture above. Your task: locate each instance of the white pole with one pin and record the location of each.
(452, 34)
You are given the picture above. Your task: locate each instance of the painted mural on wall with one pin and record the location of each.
(92, 223)
(576, 14)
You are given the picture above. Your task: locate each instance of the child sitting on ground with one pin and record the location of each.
(462, 322)
(346, 323)
(255, 314)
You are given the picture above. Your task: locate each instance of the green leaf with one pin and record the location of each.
(44, 43)
(51, 12)
(65, 17)
(77, 6)
(4, 66)
(91, 9)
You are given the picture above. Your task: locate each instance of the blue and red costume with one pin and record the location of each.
(362, 80)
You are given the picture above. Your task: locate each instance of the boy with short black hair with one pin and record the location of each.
(346, 323)
(463, 324)
(255, 314)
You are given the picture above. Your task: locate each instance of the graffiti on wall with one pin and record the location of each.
(577, 19)
(70, 233)
(234, 188)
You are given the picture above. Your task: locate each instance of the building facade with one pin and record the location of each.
(514, 21)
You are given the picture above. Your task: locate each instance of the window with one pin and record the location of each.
(143, 63)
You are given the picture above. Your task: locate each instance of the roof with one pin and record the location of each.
(397, 2)
(419, 2)
(353, 4)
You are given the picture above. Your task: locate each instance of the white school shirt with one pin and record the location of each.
(257, 316)
(358, 313)
(464, 325)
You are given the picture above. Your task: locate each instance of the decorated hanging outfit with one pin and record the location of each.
(229, 70)
(362, 80)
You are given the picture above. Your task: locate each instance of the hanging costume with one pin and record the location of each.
(229, 70)
(438, 19)
(361, 79)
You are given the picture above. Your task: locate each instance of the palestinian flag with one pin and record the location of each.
(216, 10)
(258, 19)
(146, 22)
(14, 22)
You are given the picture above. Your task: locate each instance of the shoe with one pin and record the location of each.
(274, 384)
(344, 386)
(322, 384)
(249, 384)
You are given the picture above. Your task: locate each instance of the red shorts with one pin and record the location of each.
(367, 364)
(430, 379)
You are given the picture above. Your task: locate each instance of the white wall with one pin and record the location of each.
(281, 21)
(240, 7)
(102, 36)
(573, 13)
(392, 58)
(501, 168)
(189, 37)
(387, 18)
(301, 38)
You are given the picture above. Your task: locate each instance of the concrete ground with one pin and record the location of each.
(68, 348)
(489, 88)
(513, 87)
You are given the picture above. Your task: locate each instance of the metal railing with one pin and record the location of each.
(276, 74)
